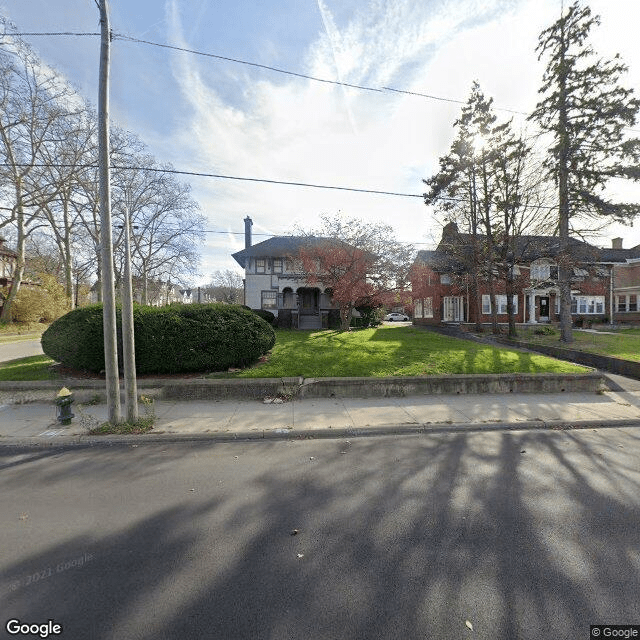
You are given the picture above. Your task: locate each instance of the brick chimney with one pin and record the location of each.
(616, 243)
(248, 223)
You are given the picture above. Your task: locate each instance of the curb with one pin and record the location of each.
(312, 434)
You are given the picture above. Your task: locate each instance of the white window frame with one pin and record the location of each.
(417, 308)
(501, 303)
(587, 305)
(261, 265)
(427, 307)
(277, 265)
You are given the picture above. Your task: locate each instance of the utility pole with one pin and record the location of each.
(128, 342)
(106, 240)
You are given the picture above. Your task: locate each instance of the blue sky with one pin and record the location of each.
(205, 115)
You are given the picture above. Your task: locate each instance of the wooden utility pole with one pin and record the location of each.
(128, 342)
(106, 240)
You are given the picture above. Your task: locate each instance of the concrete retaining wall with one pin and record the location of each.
(621, 367)
(290, 388)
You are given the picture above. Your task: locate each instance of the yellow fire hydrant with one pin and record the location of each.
(63, 402)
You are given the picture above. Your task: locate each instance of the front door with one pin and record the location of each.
(544, 308)
(453, 309)
(308, 301)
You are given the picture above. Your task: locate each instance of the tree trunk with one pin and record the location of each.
(18, 272)
(564, 272)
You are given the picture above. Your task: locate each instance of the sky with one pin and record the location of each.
(206, 115)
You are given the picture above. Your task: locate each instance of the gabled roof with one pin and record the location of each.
(281, 247)
(455, 248)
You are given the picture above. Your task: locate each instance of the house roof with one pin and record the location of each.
(280, 247)
(455, 247)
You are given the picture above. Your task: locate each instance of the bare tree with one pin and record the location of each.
(226, 286)
(32, 103)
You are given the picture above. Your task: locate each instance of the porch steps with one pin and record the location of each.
(309, 322)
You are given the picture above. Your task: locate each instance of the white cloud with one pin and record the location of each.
(303, 131)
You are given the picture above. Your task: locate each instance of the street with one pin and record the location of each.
(509, 535)
(20, 349)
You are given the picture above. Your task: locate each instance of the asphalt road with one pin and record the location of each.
(21, 349)
(500, 536)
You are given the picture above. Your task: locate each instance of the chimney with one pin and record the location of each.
(616, 243)
(248, 223)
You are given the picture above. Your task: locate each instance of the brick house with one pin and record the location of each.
(274, 281)
(605, 283)
(626, 291)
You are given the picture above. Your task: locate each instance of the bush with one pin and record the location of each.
(176, 339)
(267, 316)
(544, 330)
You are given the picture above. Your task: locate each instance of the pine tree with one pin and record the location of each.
(586, 110)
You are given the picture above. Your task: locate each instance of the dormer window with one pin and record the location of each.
(544, 270)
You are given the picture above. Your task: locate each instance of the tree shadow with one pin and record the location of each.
(524, 534)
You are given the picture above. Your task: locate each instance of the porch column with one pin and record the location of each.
(532, 308)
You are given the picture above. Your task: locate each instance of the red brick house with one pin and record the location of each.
(605, 283)
(626, 291)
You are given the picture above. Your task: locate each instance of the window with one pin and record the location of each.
(269, 299)
(428, 307)
(260, 265)
(501, 302)
(622, 303)
(417, 308)
(277, 265)
(445, 278)
(540, 271)
(587, 305)
(633, 302)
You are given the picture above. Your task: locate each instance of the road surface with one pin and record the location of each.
(500, 536)
(21, 349)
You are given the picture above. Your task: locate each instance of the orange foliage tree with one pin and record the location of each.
(359, 262)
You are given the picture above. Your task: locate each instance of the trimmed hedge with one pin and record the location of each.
(177, 339)
(266, 315)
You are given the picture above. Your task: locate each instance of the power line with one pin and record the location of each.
(50, 33)
(308, 185)
(382, 90)
(125, 38)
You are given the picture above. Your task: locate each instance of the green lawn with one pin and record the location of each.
(31, 368)
(624, 343)
(385, 351)
(391, 351)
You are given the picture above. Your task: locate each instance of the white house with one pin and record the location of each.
(274, 281)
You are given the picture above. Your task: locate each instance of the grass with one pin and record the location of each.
(142, 425)
(391, 351)
(624, 343)
(30, 368)
(17, 332)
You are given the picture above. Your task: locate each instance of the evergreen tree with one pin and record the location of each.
(586, 110)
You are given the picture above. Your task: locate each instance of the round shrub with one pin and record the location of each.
(266, 315)
(177, 339)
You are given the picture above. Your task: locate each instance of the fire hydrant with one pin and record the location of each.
(63, 402)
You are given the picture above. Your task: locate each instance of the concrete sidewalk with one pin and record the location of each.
(35, 422)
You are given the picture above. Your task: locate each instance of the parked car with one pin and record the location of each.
(396, 317)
